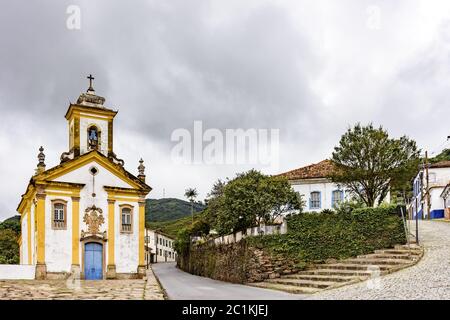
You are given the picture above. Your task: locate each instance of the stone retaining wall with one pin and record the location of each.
(235, 262)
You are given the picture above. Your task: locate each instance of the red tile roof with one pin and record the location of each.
(318, 170)
(440, 164)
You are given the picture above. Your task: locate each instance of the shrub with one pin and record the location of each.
(315, 237)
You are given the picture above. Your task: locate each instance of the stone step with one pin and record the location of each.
(376, 262)
(398, 251)
(339, 272)
(354, 266)
(302, 283)
(322, 277)
(407, 247)
(283, 287)
(387, 256)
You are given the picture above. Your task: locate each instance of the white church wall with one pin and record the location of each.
(101, 125)
(17, 272)
(127, 244)
(126, 251)
(33, 236)
(58, 243)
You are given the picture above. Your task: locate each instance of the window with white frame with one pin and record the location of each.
(314, 201)
(59, 214)
(126, 219)
(337, 197)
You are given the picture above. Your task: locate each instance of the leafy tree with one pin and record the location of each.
(443, 156)
(369, 163)
(9, 248)
(250, 199)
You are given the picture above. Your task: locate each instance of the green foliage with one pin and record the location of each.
(443, 156)
(172, 227)
(369, 163)
(199, 228)
(9, 235)
(249, 199)
(315, 237)
(158, 210)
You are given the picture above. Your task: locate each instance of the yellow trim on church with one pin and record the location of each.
(111, 232)
(29, 233)
(40, 226)
(141, 233)
(75, 231)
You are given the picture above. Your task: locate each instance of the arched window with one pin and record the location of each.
(93, 136)
(59, 214)
(337, 196)
(315, 200)
(126, 220)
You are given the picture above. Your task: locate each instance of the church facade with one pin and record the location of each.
(86, 216)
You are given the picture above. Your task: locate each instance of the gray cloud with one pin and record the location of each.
(309, 68)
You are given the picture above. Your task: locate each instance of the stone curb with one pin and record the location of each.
(153, 288)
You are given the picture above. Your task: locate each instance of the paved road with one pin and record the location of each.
(180, 285)
(429, 279)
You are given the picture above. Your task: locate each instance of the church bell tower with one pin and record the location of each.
(90, 125)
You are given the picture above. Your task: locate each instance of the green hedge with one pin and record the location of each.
(315, 237)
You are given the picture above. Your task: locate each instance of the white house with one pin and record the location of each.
(438, 195)
(318, 191)
(85, 216)
(159, 247)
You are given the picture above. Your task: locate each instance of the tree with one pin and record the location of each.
(191, 194)
(9, 248)
(369, 162)
(250, 199)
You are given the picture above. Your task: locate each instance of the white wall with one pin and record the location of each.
(324, 187)
(127, 244)
(17, 272)
(58, 243)
(156, 246)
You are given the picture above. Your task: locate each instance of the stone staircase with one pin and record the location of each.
(344, 272)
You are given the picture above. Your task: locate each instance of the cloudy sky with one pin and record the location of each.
(308, 68)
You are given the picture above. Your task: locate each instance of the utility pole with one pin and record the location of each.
(417, 221)
(427, 191)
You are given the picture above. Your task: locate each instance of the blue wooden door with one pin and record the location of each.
(93, 261)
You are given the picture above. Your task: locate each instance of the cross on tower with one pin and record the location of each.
(90, 83)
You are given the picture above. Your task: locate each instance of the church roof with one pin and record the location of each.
(319, 170)
(86, 157)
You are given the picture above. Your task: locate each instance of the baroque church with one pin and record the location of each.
(86, 216)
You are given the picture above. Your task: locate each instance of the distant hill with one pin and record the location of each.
(172, 227)
(12, 223)
(158, 210)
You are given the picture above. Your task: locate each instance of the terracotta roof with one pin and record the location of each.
(441, 164)
(318, 170)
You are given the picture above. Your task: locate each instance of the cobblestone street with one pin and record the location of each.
(83, 290)
(429, 279)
